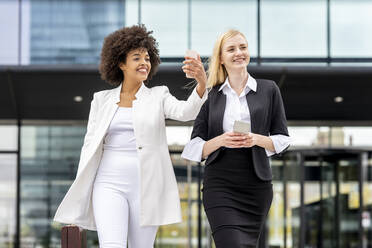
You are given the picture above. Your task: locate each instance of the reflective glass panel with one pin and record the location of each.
(293, 201)
(69, 32)
(351, 23)
(168, 20)
(348, 200)
(276, 219)
(9, 26)
(367, 199)
(131, 12)
(49, 160)
(293, 28)
(210, 18)
(9, 138)
(357, 136)
(8, 187)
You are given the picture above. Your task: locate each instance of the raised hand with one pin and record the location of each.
(195, 69)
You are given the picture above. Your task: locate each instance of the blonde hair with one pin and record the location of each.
(216, 71)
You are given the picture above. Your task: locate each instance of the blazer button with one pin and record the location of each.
(140, 147)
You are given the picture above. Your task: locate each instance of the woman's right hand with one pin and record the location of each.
(195, 68)
(232, 140)
(228, 139)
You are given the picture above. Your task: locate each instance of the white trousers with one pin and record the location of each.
(116, 203)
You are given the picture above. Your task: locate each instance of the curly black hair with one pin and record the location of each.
(118, 44)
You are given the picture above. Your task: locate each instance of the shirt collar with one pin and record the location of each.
(142, 90)
(251, 84)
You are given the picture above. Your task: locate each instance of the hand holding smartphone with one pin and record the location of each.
(191, 54)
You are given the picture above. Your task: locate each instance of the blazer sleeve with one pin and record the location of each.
(200, 128)
(90, 128)
(278, 124)
(182, 110)
(193, 150)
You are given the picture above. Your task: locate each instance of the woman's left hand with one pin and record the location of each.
(251, 140)
(195, 68)
(254, 139)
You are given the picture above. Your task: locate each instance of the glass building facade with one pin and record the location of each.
(321, 197)
(72, 31)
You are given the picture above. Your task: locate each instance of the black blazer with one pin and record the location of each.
(267, 118)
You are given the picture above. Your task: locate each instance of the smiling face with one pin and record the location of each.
(137, 65)
(234, 53)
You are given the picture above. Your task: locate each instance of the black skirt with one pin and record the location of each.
(235, 200)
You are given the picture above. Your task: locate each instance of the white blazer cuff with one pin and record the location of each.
(196, 96)
(194, 149)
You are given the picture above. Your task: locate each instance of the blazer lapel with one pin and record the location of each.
(107, 115)
(217, 112)
(253, 104)
(140, 106)
(108, 110)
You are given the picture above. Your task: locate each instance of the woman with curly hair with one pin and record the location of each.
(125, 185)
(237, 188)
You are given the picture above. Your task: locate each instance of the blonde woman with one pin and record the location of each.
(237, 188)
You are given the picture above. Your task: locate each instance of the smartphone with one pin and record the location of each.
(191, 54)
(242, 127)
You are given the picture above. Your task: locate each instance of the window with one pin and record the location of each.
(292, 28)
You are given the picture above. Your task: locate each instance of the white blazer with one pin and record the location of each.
(160, 202)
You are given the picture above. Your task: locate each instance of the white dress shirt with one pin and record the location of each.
(236, 109)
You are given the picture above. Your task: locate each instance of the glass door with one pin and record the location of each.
(366, 222)
(348, 200)
(328, 205)
(328, 212)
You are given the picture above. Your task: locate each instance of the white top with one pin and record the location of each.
(236, 109)
(120, 134)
